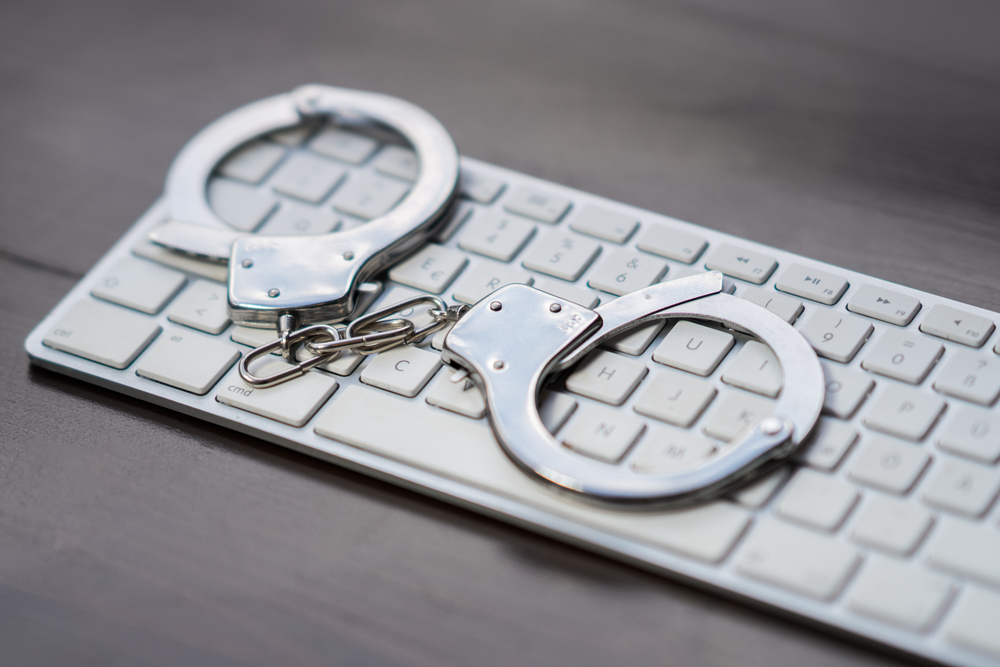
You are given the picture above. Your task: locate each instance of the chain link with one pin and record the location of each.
(368, 334)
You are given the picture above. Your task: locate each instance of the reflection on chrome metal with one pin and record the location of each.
(312, 277)
(560, 336)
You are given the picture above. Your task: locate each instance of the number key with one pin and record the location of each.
(904, 356)
(561, 255)
(836, 336)
(497, 235)
(625, 271)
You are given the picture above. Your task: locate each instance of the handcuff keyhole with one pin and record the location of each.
(247, 263)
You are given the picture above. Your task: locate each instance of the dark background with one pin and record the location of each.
(862, 134)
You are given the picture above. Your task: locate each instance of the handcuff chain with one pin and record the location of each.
(369, 334)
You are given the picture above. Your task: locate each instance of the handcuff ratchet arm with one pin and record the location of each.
(490, 342)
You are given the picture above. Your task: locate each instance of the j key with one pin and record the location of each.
(674, 397)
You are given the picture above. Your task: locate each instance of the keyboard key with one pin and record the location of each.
(603, 224)
(293, 403)
(812, 284)
(671, 243)
(970, 376)
(496, 234)
(957, 325)
(797, 560)
(904, 412)
(973, 622)
(884, 305)
(419, 315)
(554, 409)
(462, 397)
(367, 196)
(558, 288)
(827, 445)
(431, 269)
(756, 369)
(636, 341)
(666, 450)
(963, 488)
(606, 377)
(903, 594)
(846, 390)
(140, 285)
(457, 217)
(816, 500)
(757, 494)
(240, 205)
(542, 206)
(892, 525)
(294, 219)
(561, 255)
(890, 465)
(254, 337)
(103, 333)
(202, 306)
(736, 412)
(253, 161)
(187, 361)
(693, 348)
(343, 145)
(674, 397)
(175, 260)
(973, 433)
(479, 187)
(967, 549)
(903, 356)
(402, 370)
(307, 177)
(623, 270)
(487, 278)
(603, 433)
(834, 335)
(783, 306)
(292, 136)
(464, 449)
(741, 263)
(397, 161)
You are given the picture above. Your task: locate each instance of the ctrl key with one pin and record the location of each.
(103, 333)
(293, 402)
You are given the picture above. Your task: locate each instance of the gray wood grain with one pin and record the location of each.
(861, 135)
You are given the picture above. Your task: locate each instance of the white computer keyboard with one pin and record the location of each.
(887, 525)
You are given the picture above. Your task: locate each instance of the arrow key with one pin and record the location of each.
(742, 263)
(884, 305)
(202, 306)
(957, 325)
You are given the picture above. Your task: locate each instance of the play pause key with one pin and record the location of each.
(812, 284)
(883, 304)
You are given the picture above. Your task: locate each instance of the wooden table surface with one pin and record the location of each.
(862, 134)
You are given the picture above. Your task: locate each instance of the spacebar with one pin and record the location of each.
(465, 450)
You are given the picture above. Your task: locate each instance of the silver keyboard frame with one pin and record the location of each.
(719, 579)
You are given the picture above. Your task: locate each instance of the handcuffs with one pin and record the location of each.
(303, 285)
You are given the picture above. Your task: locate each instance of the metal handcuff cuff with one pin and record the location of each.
(507, 344)
(311, 281)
